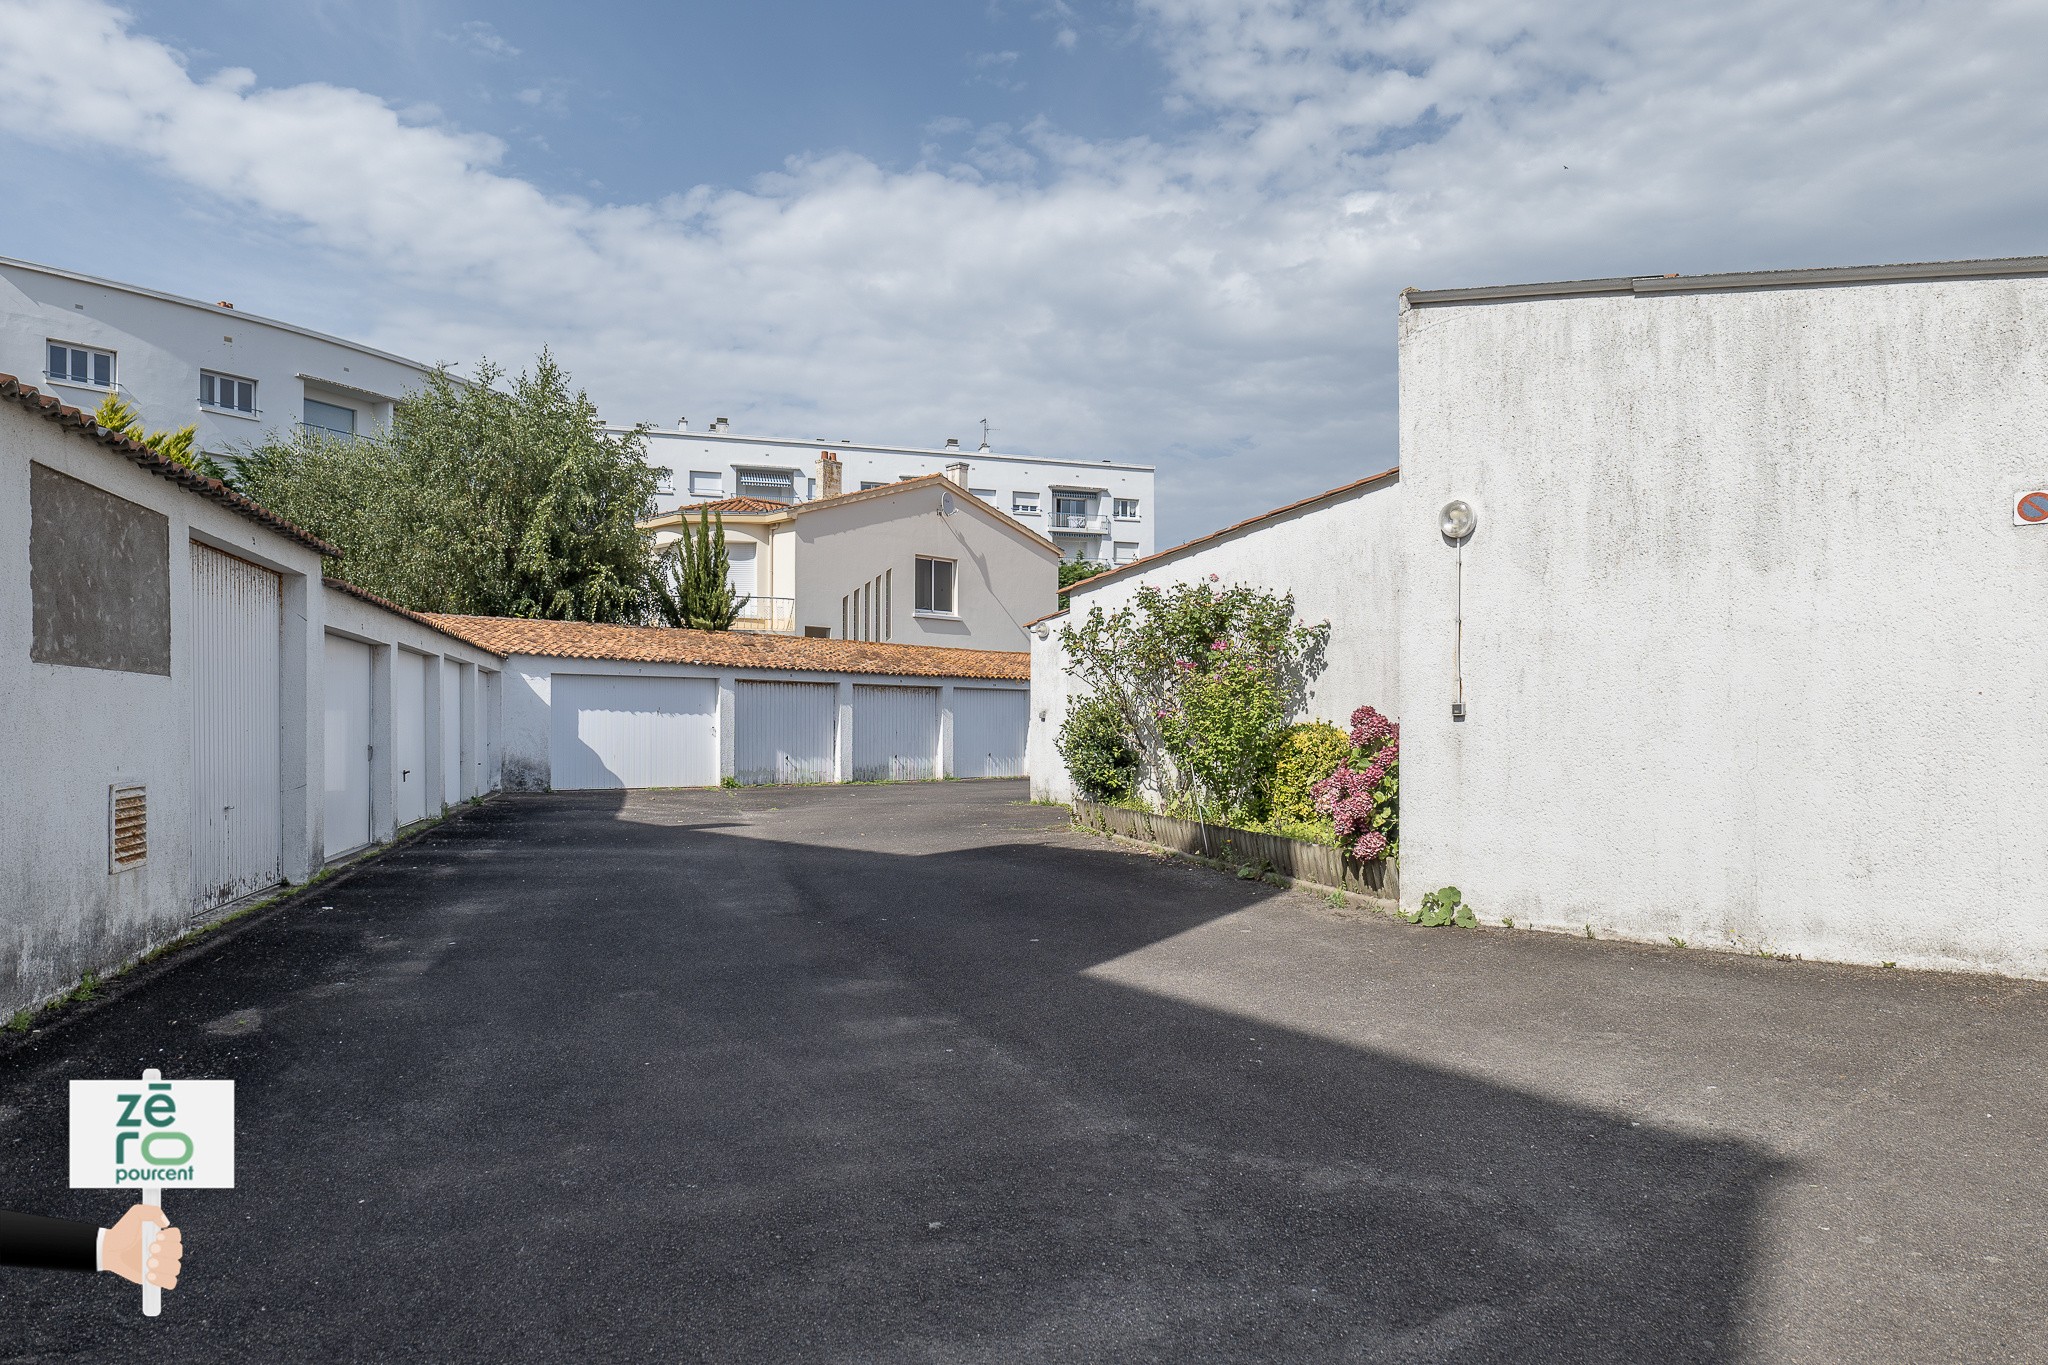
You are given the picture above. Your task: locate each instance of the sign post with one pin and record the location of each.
(148, 1134)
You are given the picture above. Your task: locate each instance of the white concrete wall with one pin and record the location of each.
(679, 452)
(1338, 557)
(1003, 579)
(529, 691)
(162, 343)
(1751, 646)
(68, 733)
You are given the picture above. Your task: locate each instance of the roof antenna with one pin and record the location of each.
(985, 429)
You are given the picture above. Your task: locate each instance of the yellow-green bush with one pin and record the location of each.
(1308, 754)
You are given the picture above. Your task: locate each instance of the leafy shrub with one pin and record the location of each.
(1308, 754)
(1224, 729)
(1205, 678)
(1362, 796)
(1098, 752)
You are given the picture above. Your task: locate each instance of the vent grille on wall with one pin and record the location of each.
(127, 827)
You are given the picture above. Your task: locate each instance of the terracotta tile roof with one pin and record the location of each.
(1120, 570)
(49, 407)
(728, 648)
(365, 595)
(739, 504)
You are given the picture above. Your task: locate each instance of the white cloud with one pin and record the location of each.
(551, 96)
(1221, 302)
(481, 39)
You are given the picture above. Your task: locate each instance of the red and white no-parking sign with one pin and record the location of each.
(2030, 507)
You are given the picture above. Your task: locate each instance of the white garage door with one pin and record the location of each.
(409, 733)
(237, 618)
(989, 725)
(895, 734)
(348, 745)
(633, 732)
(451, 732)
(783, 732)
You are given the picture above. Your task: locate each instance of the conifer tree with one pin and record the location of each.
(694, 584)
(123, 420)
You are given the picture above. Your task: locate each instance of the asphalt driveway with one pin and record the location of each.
(912, 1073)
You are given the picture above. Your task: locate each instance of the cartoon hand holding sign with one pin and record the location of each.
(144, 1135)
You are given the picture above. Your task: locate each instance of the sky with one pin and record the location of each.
(1168, 231)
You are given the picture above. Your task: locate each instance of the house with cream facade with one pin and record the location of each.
(922, 562)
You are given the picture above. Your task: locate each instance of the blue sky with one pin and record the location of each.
(1166, 230)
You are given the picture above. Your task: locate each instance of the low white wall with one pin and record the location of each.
(1337, 556)
(526, 764)
(1751, 646)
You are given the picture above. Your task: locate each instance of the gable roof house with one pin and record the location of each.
(920, 561)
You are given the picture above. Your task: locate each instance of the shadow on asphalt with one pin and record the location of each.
(671, 1082)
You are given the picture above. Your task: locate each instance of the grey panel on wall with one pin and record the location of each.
(99, 572)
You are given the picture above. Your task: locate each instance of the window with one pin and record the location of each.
(1023, 504)
(1071, 513)
(225, 391)
(987, 495)
(81, 365)
(331, 418)
(935, 585)
(707, 483)
(866, 484)
(1126, 509)
(778, 484)
(1126, 551)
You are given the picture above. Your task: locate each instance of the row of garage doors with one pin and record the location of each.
(351, 740)
(663, 732)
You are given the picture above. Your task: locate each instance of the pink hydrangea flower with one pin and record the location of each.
(1368, 726)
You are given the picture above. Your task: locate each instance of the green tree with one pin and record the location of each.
(482, 499)
(122, 419)
(1072, 571)
(693, 581)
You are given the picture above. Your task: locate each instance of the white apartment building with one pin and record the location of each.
(177, 360)
(1097, 510)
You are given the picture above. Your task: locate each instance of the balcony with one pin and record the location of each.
(1079, 524)
(768, 615)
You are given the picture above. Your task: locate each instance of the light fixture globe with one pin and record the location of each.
(1458, 519)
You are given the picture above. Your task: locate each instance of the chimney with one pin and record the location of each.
(682, 424)
(828, 474)
(952, 443)
(720, 424)
(958, 473)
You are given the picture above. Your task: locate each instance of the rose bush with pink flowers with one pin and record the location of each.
(1206, 678)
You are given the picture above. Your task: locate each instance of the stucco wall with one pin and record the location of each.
(71, 732)
(1750, 643)
(1003, 580)
(1338, 558)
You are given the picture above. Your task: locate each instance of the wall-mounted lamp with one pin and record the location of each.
(1457, 522)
